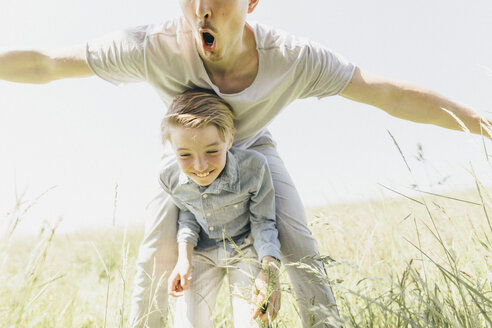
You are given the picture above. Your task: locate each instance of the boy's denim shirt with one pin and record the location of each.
(241, 200)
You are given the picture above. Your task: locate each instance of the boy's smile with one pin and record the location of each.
(201, 152)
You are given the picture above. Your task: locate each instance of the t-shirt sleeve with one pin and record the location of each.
(323, 72)
(119, 57)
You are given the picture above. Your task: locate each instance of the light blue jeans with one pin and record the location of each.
(210, 266)
(158, 252)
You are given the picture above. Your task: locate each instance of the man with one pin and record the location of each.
(259, 71)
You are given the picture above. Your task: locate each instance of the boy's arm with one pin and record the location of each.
(265, 296)
(179, 280)
(187, 237)
(414, 103)
(188, 227)
(34, 66)
(262, 215)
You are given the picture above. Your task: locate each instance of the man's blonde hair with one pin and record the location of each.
(198, 108)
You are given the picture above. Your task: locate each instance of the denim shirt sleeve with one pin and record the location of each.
(262, 216)
(188, 227)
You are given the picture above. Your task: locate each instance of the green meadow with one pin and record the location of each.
(417, 260)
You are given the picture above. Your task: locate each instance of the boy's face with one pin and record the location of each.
(217, 25)
(201, 152)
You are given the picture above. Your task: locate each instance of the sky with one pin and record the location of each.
(83, 139)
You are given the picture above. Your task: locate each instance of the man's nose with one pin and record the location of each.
(202, 9)
(200, 164)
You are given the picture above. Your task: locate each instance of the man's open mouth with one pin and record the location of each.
(208, 38)
(208, 41)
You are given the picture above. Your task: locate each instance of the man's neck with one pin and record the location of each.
(238, 70)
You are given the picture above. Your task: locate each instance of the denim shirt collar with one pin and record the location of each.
(227, 180)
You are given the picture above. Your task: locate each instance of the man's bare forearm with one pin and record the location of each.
(421, 105)
(34, 66)
(414, 103)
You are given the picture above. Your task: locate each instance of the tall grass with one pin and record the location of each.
(77, 280)
(417, 260)
(428, 268)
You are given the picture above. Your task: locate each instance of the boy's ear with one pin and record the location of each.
(231, 140)
(252, 5)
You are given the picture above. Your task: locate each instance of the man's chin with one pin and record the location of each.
(209, 56)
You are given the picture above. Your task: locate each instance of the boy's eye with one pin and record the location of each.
(212, 152)
(184, 155)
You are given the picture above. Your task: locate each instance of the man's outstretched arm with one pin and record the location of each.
(413, 103)
(33, 66)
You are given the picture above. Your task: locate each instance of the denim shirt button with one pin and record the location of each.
(211, 228)
(236, 206)
(209, 214)
(205, 196)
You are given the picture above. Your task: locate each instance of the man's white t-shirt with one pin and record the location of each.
(165, 56)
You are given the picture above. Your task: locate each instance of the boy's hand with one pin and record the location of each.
(265, 294)
(180, 278)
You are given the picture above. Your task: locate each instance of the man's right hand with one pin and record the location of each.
(32, 66)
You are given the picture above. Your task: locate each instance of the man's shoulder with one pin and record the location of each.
(171, 36)
(170, 33)
(268, 37)
(172, 27)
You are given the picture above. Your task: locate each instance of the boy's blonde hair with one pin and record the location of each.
(198, 108)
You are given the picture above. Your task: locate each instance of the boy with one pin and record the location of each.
(227, 211)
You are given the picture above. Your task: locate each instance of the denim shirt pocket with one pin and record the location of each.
(235, 209)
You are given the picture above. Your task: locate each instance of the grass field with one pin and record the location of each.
(421, 262)
(417, 260)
